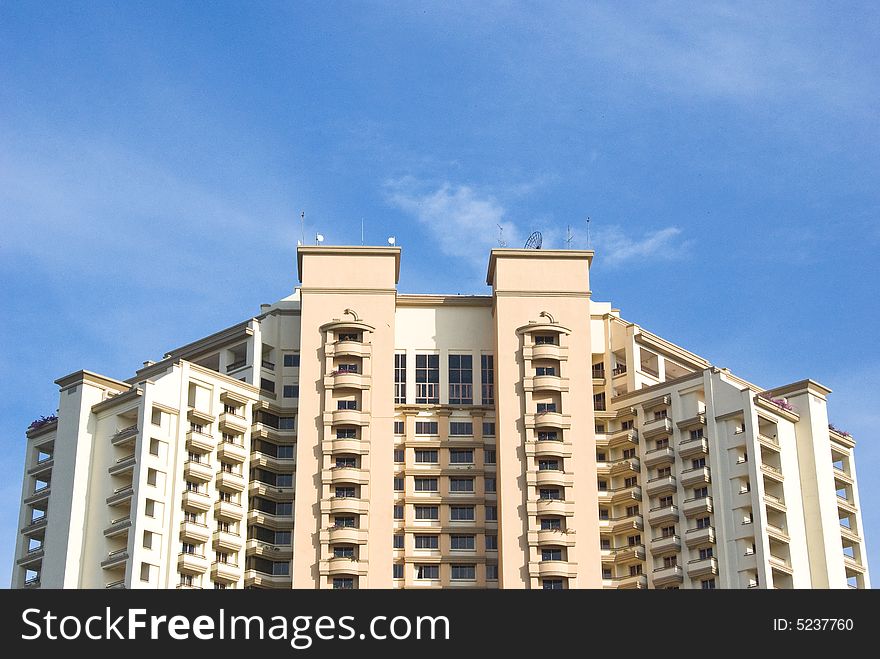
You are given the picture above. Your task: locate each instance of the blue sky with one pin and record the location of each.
(155, 158)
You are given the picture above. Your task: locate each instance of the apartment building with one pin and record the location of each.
(349, 436)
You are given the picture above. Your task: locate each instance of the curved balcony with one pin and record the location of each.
(658, 456)
(696, 476)
(193, 500)
(547, 351)
(337, 475)
(194, 532)
(230, 482)
(667, 576)
(555, 507)
(548, 420)
(346, 535)
(201, 472)
(347, 445)
(346, 380)
(550, 477)
(192, 563)
(342, 505)
(226, 541)
(348, 417)
(556, 538)
(701, 567)
(549, 569)
(228, 512)
(348, 349)
(225, 572)
(662, 514)
(232, 452)
(545, 383)
(660, 485)
(344, 566)
(549, 447)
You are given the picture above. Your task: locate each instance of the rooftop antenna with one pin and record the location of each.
(362, 232)
(501, 241)
(568, 238)
(589, 237)
(319, 238)
(534, 241)
(302, 228)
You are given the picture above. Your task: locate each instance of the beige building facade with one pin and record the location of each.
(349, 436)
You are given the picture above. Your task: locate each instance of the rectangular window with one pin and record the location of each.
(706, 552)
(487, 378)
(488, 428)
(427, 542)
(398, 541)
(461, 456)
(343, 552)
(704, 522)
(627, 425)
(398, 571)
(552, 584)
(343, 583)
(550, 494)
(670, 561)
(267, 385)
(346, 405)
(461, 380)
(461, 484)
(546, 407)
(464, 572)
(698, 463)
(347, 368)
(491, 572)
(545, 370)
(491, 542)
(548, 435)
(463, 542)
(660, 414)
(398, 512)
(489, 484)
(154, 447)
(290, 391)
(551, 554)
(399, 455)
(398, 428)
(665, 502)
(291, 360)
(632, 511)
(545, 339)
(701, 492)
(398, 484)
(461, 513)
(667, 532)
(287, 423)
(697, 434)
(491, 513)
(489, 456)
(599, 402)
(346, 433)
(344, 492)
(551, 524)
(426, 456)
(548, 465)
(346, 463)
(427, 428)
(428, 379)
(145, 571)
(400, 378)
(428, 572)
(707, 584)
(427, 512)
(461, 428)
(426, 484)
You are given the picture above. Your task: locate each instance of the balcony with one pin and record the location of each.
(768, 441)
(777, 533)
(192, 563)
(121, 495)
(624, 439)
(337, 475)
(549, 448)
(33, 582)
(622, 495)
(550, 477)
(546, 351)
(689, 448)
(629, 553)
(232, 452)
(774, 503)
(269, 491)
(31, 557)
(348, 417)
(230, 481)
(276, 522)
(343, 566)
(115, 559)
(660, 485)
(193, 500)
(696, 476)
(346, 380)
(235, 365)
(696, 506)
(42, 467)
(255, 578)
(123, 465)
(661, 514)
(842, 476)
(850, 534)
(780, 564)
(40, 495)
(622, 524)
(664, 545)
(225, 572)
(195, 532)
(844, 504)
(667, 576)
(343, 505)
(548, 420)
(233, 423)
(260, 459)
(771, 472)
(226, 541)
(692, 422)
(347, 349)
(346, 535)
(628, 582)
(701, 567)
(625, 466)
(551, 569)
(545, 383)
(659, 456)
(35, 525)
(198, 442)
(698, 537)
(657, 427)
(256, 547)
(347, 445)
(125, 436)
(228, 511)
(118, 526)
(195, 470)
(554, 537)
(852, 564)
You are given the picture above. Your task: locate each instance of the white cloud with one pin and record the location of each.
(463, 222)
(614, 247)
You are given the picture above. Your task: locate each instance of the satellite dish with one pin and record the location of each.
(319, 238)
(391, 240)
(534, 241)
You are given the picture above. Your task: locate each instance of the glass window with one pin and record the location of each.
(429, 456)
(398, 484)
(489, 456)
(343, 583)
(552, 584)
(487, 378)
(461, 379)
(291, 360)
(491, 542)
(398, 571)
(461, 484)
(546, 407)
(398, 428)
(398, 541)
(551, 554)
(427, 512)
(545, 370)
(488, 428)
(400, 378)
(491, 572)
(346, 433)
(489, 484)
(491, 513)
(399, 455)
(426, 428)
(461, 428)
(426, 484)
(428, 572)
(463, 542)
(545, 339)
(461, 456)
(547, 435)
(427, 542)
(398, 512)
(428, 379)
(464, 572)
(551, 524)
(343, 552)
(461, 513)
(290, 391)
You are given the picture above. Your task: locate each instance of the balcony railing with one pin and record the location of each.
(236, 365)
(428, 392)
(267, 364)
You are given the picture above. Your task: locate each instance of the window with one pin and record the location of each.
(635, 570)
(428, 379)
(707, 584)
(670, 561)
(697, 434)
(487, 378)
(145, 571)
(287, 423)
(491, 572)
(489, 484)
(343, 583)
(291, 360)
(148, 539)
(398, 541)
(631, 481)
(665, 502)
(600, 428)
(461, 380)
(551, 524)
(632, 511)
(545, 339)
(633, 540)
(663, 472)
(698, 463)
(661, 444)
(489, 456)
(344, 522)
(551, 554)
(706, 552)
(192, 487)
(547, 436)
(187, 580)
(346, 433)
(426, 456)
(397, 571)
(290, 391)
(427, 542)
(548, 465)
(187, 548)
(427, 512)
(704, 522)
(604, 514)
(491, 513)
(153, 475)
(550, 494)
(426, 428)
(154, 447)
(346, 463)
(461, 513)
(459, 428)
(599, 402)
(461, 484)
(603, 486)
(463, 542)
(400, 378)
(267, 385)
(606, 573)
(399, 454)
(464, 572)
(347, 368)
(398, 484)
(343, 552)
(428, 572)
(552, 584)
(398, 512)
(660, 414)
(667, 532)
(349, 336)
(545, 370)
(701, 492)
(461, 456)
(626, 425)
(345, 492)
(346, 405)
(488, 428)
(491, 543)
(426, 484)
(398, 428)
(629, 454)
(546, 407)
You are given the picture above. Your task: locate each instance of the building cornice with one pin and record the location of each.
(347, 250)
(801, 386)
(410, 300)
(92, 378)
(121, 399)
(556, 254)
(241, 330)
